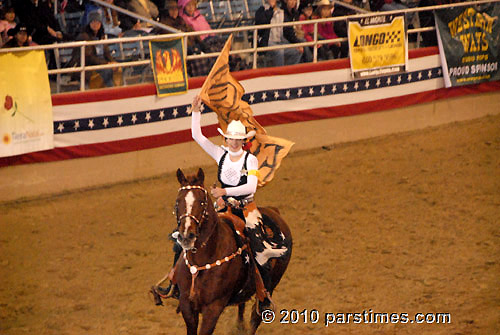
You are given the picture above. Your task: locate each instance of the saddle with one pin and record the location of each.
(237, 221)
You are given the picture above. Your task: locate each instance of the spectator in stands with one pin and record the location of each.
(7, 22)
(170, 17)
(126, 22)
(20, 37)
(160, 4)
(340, 27)
(111, 23)
(271, 13)
(292, 14)
(307, 29)
(429, 38)
(389, 5)
(192, 16)
(39, 15)
(144, 8)
(325, 30)
(95, 54)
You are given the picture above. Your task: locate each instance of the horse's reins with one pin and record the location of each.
(195, 269)
(192, 217)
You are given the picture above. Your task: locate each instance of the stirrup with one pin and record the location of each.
(160, 292)
(156, 295)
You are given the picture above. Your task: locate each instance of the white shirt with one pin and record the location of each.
(276, 34)
(230, 171)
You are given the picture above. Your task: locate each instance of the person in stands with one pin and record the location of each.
(324, 10)
(271, 13)
(340, 27)
(189, 12)
(7, 22)
(20, 37)
(95, 54)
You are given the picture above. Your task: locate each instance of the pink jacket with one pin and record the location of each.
(197, 21)
(4, 28)
(308, 29)
(325, 31)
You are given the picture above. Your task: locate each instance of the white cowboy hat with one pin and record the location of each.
(236, 130)
(323, 3)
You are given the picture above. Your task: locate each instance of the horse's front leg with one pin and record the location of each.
(191, 317)
(211, 314)
(240, 326)
(255, 320)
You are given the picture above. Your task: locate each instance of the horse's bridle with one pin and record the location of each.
(192, 217)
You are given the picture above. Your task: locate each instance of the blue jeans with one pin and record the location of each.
(107, 77)
(285, 56)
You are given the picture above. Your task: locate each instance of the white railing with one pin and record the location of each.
(253, 49)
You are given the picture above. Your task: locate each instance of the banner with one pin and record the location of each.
(377, 45)
(469, 43)
(222, 94)
(26, 122)
(169, 66)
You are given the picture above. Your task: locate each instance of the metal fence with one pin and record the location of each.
(248, 48)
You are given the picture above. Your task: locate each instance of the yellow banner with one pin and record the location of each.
(222, 93)
(26, 122)
(376, 46)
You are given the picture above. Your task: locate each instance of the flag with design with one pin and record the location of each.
(222, 93)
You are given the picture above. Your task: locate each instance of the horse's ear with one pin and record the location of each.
(181, 178)
(200, 176)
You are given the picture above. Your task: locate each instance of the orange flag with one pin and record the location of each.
(222, 93)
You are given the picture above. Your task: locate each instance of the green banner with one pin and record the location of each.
(469, 43)
(169, 66)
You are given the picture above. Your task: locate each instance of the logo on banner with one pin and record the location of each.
(469, 44)
(169, 66)
(26, 122)
(377, 45)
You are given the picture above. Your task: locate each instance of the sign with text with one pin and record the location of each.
(26, 121)
(469, 44)
(377, 45)
(169, 66)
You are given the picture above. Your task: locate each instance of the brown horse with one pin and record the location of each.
(214, 270)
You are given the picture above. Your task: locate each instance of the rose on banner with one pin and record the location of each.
(222, 93)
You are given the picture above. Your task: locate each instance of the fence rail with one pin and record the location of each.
(249, 45)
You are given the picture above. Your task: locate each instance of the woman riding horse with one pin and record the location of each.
(238, 176)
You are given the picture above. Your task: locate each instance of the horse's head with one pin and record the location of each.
(191, 208)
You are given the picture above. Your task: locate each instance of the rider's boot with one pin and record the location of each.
(262, 272)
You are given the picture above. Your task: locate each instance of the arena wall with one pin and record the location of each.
(82, 162)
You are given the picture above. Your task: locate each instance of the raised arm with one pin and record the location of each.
(213, 150)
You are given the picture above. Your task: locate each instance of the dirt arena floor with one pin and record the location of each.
(406, 223)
